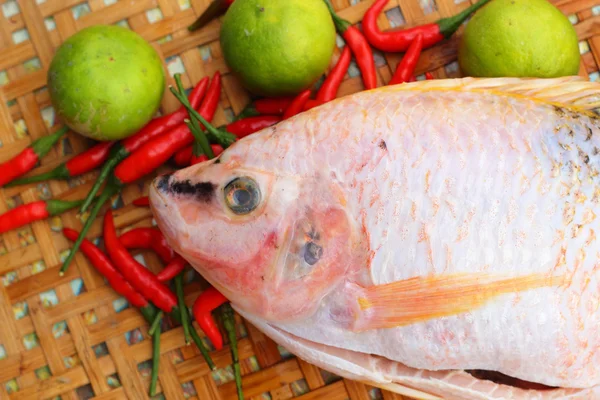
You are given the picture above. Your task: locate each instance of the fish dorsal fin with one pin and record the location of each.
(570, 91)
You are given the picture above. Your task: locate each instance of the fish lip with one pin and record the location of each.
(161, 205)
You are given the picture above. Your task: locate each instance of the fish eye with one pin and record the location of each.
(242, 195)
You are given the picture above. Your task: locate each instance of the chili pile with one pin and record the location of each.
(150, 154)
(104, 266)
(140, 278)
(152, 129)
(144, 281)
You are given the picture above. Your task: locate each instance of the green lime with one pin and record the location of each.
(275, 47)
(106, 82)
(519, 38)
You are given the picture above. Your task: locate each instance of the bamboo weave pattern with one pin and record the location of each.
(72, 337)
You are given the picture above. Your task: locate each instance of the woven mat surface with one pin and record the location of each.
(72, 337)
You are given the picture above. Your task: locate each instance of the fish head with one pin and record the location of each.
(274, 244)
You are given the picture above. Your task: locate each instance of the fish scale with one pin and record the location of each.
(426, 187)
(451, 229)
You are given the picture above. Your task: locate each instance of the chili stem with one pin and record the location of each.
(155, 323)
(198, 146)
(229, 324)
(185, 319)
(225, 139)
(198, 340)
(43, 145)
(114, 159)
(149, 312)
(61, 172)
(248, 111)
(176, 315)
(155, 360)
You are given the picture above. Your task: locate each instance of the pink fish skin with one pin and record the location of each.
(405, 235)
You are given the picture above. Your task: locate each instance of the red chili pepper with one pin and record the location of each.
(157, 151)
(80, 164)
(429, 76)
(297, 105)
(400, 40)
(247, 126)
(173, 269)
(266, 106)
(136, 274)
(149, 239)
(406, 67)
(152, 129)
(208, 300)
(203, 157)
(359, 46)
(216, 8)
(35, 211)
(29, 157)
(183, 157)
(147, 158)
(275, 106)
(165, 123)
(143, 201)
(105, 267)
(312, 104)
(329, 88)
(210, 103)
(198, 159)
(153, 154)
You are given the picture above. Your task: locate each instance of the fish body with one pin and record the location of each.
(405, 235)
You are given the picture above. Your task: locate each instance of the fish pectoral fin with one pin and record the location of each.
(423, 298)
(571, 91)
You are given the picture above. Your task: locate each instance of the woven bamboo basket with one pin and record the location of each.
(72, 337)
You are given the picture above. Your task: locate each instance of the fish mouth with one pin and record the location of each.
(157, 193)
(162, 207)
